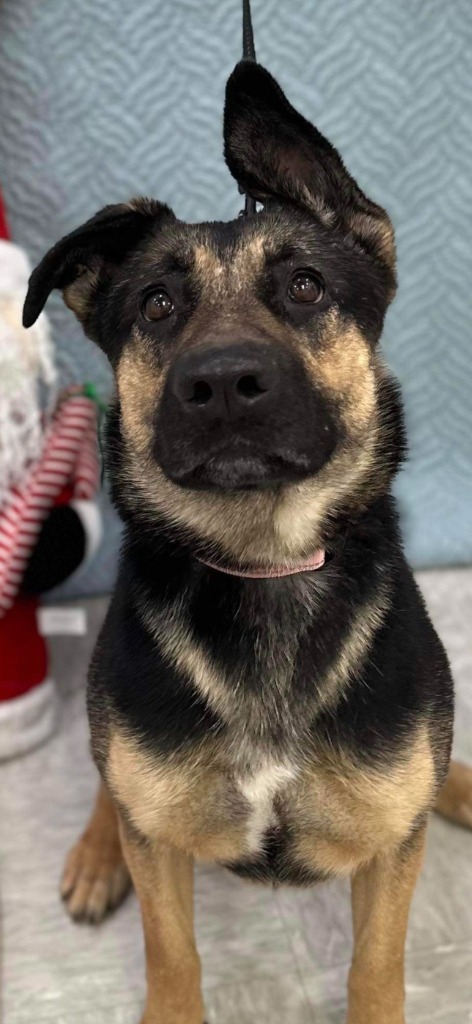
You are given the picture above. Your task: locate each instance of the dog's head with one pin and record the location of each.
(252, 404)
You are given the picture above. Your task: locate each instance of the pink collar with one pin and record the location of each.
(315, 562)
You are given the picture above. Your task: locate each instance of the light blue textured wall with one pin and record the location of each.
(102, 99)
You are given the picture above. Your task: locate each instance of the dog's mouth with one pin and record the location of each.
(241, 467)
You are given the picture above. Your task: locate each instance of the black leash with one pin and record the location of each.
(249, 53)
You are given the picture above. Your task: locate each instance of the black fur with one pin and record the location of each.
(274, 152)
(276, 864)
(105, 238)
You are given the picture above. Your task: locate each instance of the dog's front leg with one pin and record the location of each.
(163, 879)
(381, 897)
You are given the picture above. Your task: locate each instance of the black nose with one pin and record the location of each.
(226, 383)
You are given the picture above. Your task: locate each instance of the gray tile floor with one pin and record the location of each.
(275, 957)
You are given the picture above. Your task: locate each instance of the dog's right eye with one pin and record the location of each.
(306, 286)
(157, 305)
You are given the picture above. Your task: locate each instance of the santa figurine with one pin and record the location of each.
(49, 520)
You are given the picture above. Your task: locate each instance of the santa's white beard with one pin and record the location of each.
(27, 373)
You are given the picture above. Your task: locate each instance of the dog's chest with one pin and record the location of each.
(218, 807)
(272, 818)
(262, 788)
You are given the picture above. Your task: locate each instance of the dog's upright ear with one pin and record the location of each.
(274, 153)
(83, 258)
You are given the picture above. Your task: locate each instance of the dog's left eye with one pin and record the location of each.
(305, 286)
(157, 305)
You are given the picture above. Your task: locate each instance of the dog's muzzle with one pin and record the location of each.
(240, 416)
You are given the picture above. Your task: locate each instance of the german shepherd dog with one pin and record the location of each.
(267, 691)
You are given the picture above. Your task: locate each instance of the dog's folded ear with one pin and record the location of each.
(77, 263)
(274, 153)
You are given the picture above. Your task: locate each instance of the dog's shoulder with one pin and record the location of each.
(132, 683)
(405, 681)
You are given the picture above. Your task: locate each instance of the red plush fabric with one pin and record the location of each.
(65, 497)
(23, 657)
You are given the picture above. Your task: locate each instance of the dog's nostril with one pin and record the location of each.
(201, 393)
(248, 387)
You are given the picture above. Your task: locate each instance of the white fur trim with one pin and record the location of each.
(26, 363)
(91, 519)
(15, 267)
(27, 721)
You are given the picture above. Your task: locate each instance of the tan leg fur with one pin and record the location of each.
(455, 797)
(163, 879)
(381, 897)
(95, 878)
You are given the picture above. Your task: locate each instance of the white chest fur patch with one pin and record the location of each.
(260, 789)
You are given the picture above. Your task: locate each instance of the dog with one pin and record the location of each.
(267, 691)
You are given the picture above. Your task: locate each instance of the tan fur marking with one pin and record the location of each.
(223, 280)
(234, 703)
(302, 511)
(208, 268)
(360, 811)
(353, 652)
(180, 647)
(344, 366)
(140, 385)
(188, 803)
(378, 230)
(77, 295)
(316, 204)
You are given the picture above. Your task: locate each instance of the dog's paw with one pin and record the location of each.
(455, 797)
(95, 881)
